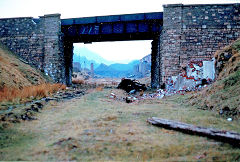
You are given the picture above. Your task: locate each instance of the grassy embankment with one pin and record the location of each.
(19, 82)
(98, 128)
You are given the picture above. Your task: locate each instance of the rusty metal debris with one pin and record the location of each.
(131, 86)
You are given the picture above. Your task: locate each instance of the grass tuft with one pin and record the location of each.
(30, 92)
(99, 88)
(78, 81)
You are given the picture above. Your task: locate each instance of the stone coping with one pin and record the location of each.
(16, 18)
(47, 15)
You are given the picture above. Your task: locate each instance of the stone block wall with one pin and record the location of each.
(196, 32)
(170, 41)
(37, 41)
(24, 37)
(54, 62)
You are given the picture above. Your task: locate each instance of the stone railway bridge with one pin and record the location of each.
(181, 33)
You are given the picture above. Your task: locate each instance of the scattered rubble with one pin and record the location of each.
(195, 76)
(132, 98)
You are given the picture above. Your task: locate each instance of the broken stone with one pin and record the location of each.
(39, 105)
(49, 99)
(130, 99)
(229, 119)
(112, 95)
(34, 108)
(132, 91)
(27, 116)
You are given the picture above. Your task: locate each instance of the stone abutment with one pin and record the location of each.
(38, 41)
(195, 32)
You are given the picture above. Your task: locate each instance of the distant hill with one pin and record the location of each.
(102, 66)
(107, 71)
(116, 70)
(89, 55)
(85, 63)
(124, 67)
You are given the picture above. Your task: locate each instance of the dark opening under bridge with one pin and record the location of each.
(181, 33)
(144, 26)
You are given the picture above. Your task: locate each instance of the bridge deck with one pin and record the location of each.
(143, 26)
(113, 18)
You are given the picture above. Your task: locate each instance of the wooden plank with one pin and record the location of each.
(220, 135)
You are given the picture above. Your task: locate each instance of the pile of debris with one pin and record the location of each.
(195, 76)
(135, 92)
(131, 86)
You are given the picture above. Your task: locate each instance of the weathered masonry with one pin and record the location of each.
(38, 41)
(180, 34)
(195, 32)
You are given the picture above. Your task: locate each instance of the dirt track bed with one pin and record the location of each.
(96, 127)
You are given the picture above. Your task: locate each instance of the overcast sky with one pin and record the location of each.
(86, 8)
